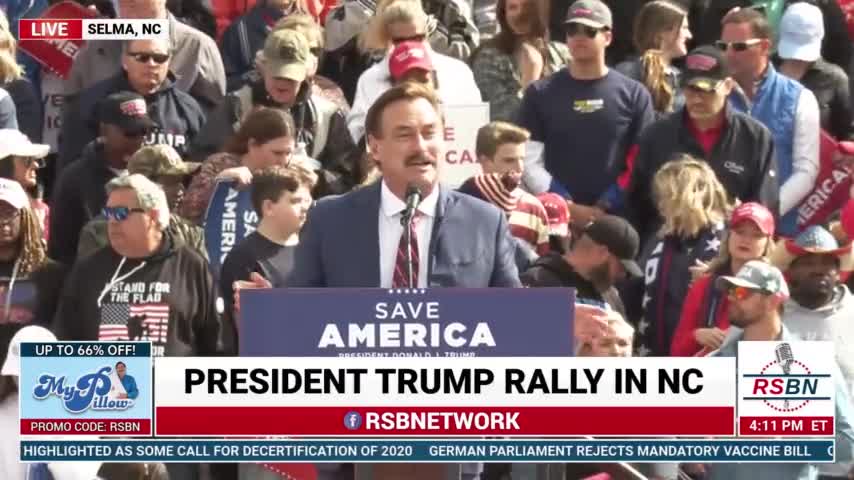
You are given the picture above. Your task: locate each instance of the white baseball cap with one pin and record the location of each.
(13, 193)
(31, 333)
(801, 33)
(13, 142)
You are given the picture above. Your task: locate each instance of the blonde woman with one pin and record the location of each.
(705, 316)
(19, 105)
(398, 21)
(661, 34)
(694, 206)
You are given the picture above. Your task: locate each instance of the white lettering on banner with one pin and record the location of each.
(65, 47)
(461, 125)
(820, 195)
(395, 335)
(442, 420)
(229, 224)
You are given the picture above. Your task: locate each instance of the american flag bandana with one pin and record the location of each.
(122, 321)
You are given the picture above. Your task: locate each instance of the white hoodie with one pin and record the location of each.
(833, 322)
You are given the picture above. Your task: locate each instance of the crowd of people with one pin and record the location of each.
(652, 155)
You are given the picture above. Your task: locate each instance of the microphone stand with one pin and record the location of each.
(406, 222)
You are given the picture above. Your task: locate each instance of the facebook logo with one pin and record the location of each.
(352, 420)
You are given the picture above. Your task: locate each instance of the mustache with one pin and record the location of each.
(416, 159)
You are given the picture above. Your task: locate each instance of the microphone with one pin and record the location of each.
(785, 359)
(413, 198)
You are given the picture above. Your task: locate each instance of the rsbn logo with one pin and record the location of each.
(786, 384)
(91, 391)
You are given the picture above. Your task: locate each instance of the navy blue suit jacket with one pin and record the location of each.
(339, 246)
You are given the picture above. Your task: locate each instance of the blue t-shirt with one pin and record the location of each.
(587, 127)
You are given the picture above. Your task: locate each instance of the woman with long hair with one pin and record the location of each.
(28, 107)
(20, 161)
(705, 319)
(517, 56)
(694, 206)
(661, 34)
(265, 138)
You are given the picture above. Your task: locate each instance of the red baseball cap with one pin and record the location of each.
(406, 56)
(755, 213)
(557, 212)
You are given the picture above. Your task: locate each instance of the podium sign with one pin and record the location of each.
(441, 322)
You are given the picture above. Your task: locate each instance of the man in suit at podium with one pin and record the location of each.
(358, 240)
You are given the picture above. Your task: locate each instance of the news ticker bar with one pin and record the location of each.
(425, 451)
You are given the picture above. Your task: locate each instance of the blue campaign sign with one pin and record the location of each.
(229, 219)
(495, 322)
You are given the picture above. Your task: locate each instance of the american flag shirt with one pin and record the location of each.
(136, 322)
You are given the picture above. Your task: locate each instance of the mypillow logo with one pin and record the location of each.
(91, 391)
(786, 377)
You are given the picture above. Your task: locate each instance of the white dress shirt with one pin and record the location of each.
(391, 209)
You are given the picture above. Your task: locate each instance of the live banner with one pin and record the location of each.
(229, 219)
(58, 55)
(461, 125)
(831, 190)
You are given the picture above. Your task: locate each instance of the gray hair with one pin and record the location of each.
(149, 195)
(168, 42)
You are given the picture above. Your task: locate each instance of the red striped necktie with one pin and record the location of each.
(401, 271)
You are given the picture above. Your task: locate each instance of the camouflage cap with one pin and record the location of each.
(756, 275)
(286, 54)
(160, 161)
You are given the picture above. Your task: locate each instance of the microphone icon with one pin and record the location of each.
(785, 359)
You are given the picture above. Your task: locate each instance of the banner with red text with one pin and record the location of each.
(461, 125)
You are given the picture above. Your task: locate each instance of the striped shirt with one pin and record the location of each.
(528, 222)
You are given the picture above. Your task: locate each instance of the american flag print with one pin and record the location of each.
(122, 321)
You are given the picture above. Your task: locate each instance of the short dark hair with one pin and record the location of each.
(121, 363)
(262, 125)
(408, 91)
(758, 23)
(495, 134)
(270, 183)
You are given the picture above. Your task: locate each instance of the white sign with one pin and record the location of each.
(461, 125)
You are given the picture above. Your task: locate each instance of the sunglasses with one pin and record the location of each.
(142, 57)
(740, 293)
(120, 214)
(737, 46)
(32, 162)
(572, 29)
(419, 37)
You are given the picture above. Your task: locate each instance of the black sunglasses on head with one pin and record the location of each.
(144, 57)
(572, 29)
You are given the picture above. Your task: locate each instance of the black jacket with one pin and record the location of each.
(178, 117)
(551, 270)
(28, 108)
(175, 279)
(743, 160)
(78, 197)
(829, 84)
(335, 154)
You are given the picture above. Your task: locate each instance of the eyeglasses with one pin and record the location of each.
(572, 29)
(11, 218)
(143, 57)
(737, 46)
(740, 293)
(120, 214)
(418, 37)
